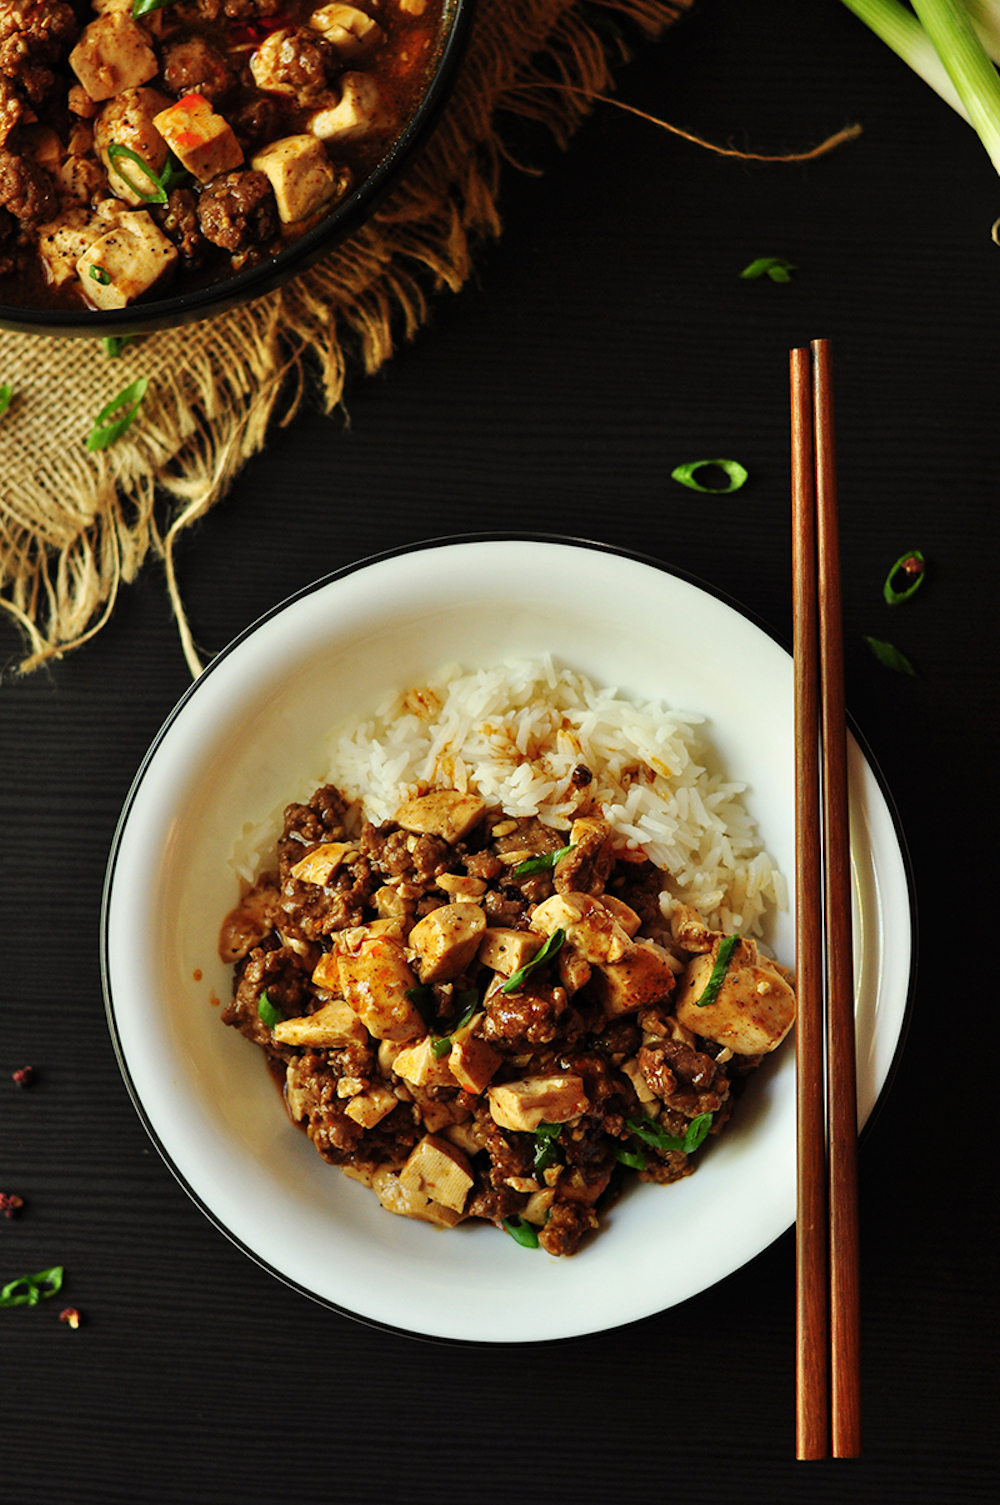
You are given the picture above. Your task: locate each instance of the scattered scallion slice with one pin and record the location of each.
(423, 1000)
(145, 7)
(160, 183)
(687, 475)
(521, 1232)
(545, 1145)
(114, 344)
(711, 992)
(532, 865)
(107, 428)
(29, 1290)
(469, 1002)
(544, 954)
(909, 567)
(890, 657)
(651, 1133)
(774, 267)
(101, 275)
(6, 393)
(634, 1159)
(267, 1011)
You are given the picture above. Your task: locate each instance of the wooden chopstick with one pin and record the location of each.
(827, 1326)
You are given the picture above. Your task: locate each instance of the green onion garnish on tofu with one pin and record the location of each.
(711, 991)
(545, 953)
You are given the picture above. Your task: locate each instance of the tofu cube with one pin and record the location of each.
(350, 30)
(125, 263)
(113, 54)
(128, 121)
(524, 1104)
(472, 1063)
(419, 1065)
(357, 112)
(300, 173)
(440, 1171)
(201, 140)
(330, 1028)
(322, 862)
(446, 941)
(376, 980)
(63, 241)
(372, 1106)
(444, 812)
(643, 977)
(408, 1201)
(507, 951)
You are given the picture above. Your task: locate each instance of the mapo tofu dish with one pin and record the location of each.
(150, 146)
(481, 1017)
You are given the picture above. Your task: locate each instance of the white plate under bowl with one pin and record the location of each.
(253, 729)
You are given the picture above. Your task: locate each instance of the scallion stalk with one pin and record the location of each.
(949, 44)
(899, 29)
(950, 28)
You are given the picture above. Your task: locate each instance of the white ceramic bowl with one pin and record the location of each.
(247, 734)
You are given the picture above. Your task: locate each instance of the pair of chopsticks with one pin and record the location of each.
(827, 1329)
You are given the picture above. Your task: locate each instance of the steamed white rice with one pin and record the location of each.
(516, 732)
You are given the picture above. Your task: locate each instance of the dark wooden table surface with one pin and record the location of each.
(606, 337)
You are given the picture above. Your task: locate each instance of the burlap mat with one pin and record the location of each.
(75, 526)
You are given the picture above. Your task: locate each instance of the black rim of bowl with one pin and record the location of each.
(420, 546)
(216, 297)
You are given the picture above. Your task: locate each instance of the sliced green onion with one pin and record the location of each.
(107, 428)
(634, 1159)
(101, 275)
(29, 1290)
(544, 954)
(542, 864)
(159, 193)
(911, 567)
(976, 81)
(521, 1232)
(696, 1132)
(650, 1133)
(687, 475)
(775, 267)
(890, 657)
(423, 1000)
(545, 1145)
(726, 948)
(114, 344)
(470, 1002)
(144, 7)
(899, 29)
(6, 393)
(267, 1011)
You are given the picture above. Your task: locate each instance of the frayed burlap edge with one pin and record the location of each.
(74, 527)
